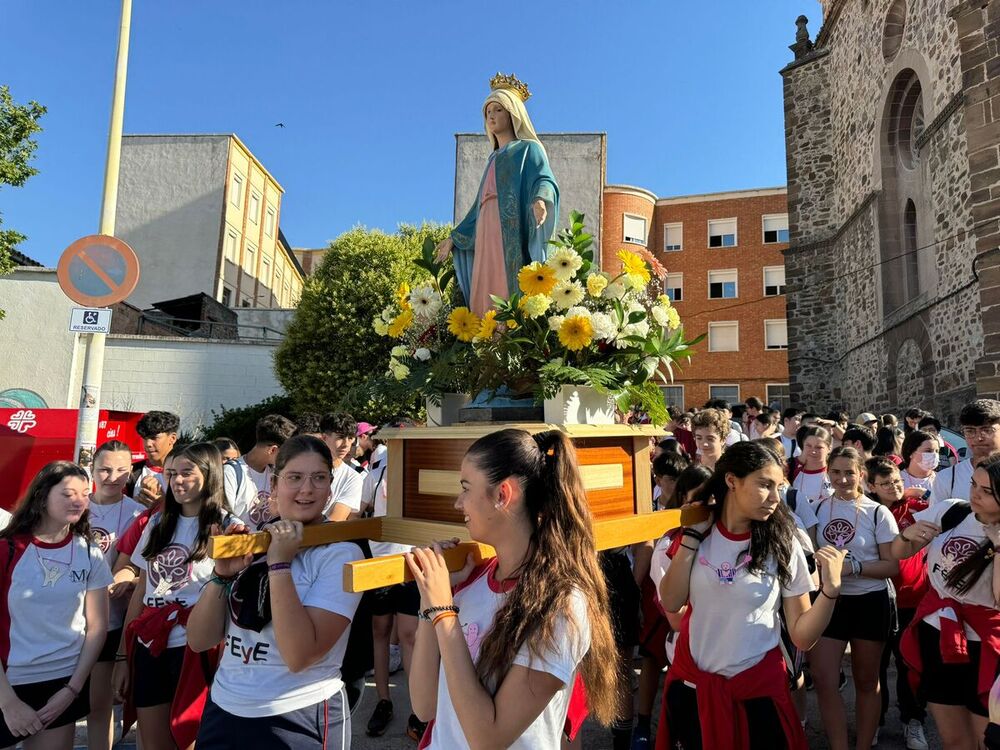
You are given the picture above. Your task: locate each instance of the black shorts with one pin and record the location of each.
(110, 648)
(624, 597)
(155, 678)
(401, 599)
(37, 694)
(948, 684)
(865, 617)
(763, 722)
(325, 725)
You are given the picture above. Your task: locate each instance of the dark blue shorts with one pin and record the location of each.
(326, 724)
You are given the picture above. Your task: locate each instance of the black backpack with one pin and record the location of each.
(955, 515)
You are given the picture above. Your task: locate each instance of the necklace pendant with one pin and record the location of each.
(52, 575)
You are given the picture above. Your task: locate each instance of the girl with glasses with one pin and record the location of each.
(887, 486)
(285, 619)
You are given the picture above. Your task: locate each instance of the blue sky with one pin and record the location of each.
(372, 93)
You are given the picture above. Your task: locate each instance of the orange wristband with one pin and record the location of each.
(443, 616)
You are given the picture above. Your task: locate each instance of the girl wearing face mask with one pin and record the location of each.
(886, 486)
(172, 558)
(55, 609)
(494, 664)
(953, 643)
(864, 529)
(727, 686)
(111, 513)
(289, 611)
(920, 454)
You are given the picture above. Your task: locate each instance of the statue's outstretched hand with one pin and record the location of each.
(540, 212)
(444, 249)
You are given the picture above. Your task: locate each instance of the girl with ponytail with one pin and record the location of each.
(495, 662)
(953, 642)
(736, 573)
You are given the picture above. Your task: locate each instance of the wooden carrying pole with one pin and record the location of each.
(377, 572)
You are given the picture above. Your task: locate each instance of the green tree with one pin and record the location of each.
(331, 357)
(17, 124)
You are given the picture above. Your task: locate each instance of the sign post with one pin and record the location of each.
(93, 368)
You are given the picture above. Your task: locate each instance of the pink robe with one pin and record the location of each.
(488, 273)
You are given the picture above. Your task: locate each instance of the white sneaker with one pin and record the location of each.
(395, 658)
(914, 736)
(875, 738)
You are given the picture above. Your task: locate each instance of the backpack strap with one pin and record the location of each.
(792, 498)
(955, 515)
(238, 470)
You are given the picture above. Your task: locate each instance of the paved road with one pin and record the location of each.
(594, 737)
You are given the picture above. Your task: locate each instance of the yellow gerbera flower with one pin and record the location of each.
(576, 332)
(536, 278)
(488, 325)
(403, 321)
(635, 269)
(403, 296)
(464, 324)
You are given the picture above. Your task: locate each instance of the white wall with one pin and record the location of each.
(189, 377)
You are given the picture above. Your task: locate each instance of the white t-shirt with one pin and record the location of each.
(479, 602)
(5, 517)
(734, 613)
(253, 679)
(790, 445)
(924, 483)
(345, 488)
(169, 577)
(146, 471)
(953, 482)
(735, 435)
(249, 496)
(374, 494)
(947, 550)
(860, 527)
(812, 486)
(107, 524)
(44, 615)
(804, 514)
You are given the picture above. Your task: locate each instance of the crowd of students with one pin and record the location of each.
(822, 534)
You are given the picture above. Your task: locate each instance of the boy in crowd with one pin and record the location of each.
(248, 479)
(869, 420)
(158, 430)
(710, 429)
(791, 420)
(980, 420)
(307, 423)
(735, 433)
(339, 432)
(753, 407)
(861, 438)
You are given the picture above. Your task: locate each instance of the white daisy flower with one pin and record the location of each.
(425, 302)
(565, 262)
(566, 294)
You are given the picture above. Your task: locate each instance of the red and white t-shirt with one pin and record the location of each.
(107, 524)
(478, 603)
(249, 495)
(170, 577)
(43, 622)
(253, 679)
(948, 549)
(812, 485)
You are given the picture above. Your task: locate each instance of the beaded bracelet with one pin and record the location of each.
(443, 616)
(426, 614)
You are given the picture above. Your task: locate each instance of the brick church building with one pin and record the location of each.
(892, 127)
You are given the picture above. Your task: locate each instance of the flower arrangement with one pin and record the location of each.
(567, 324)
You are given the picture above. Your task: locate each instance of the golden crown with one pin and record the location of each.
(500, 81)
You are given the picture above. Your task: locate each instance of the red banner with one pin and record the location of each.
(31, 438)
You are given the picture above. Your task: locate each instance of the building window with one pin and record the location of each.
(724, 336)
(775, 228)
(250, 260)
(778, 396)
(237, 189)
(231, 247)
(730, 393)
(227, 296)
(265, 271)
(722, 284)
(269, 222)
(673, 237)
(244, 302)
(673, 395)
(634, 229)
(673, 286)
(775, 334)
(722, 233)
(254, 207)
(774, 281)
(285, 295)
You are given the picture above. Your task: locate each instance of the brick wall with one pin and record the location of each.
(617, 203)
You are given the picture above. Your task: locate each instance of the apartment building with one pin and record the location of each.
(203, 215)
(726, 276)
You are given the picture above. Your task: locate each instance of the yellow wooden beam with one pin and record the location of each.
(312, 536)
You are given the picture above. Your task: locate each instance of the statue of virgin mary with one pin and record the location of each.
(517, 206)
